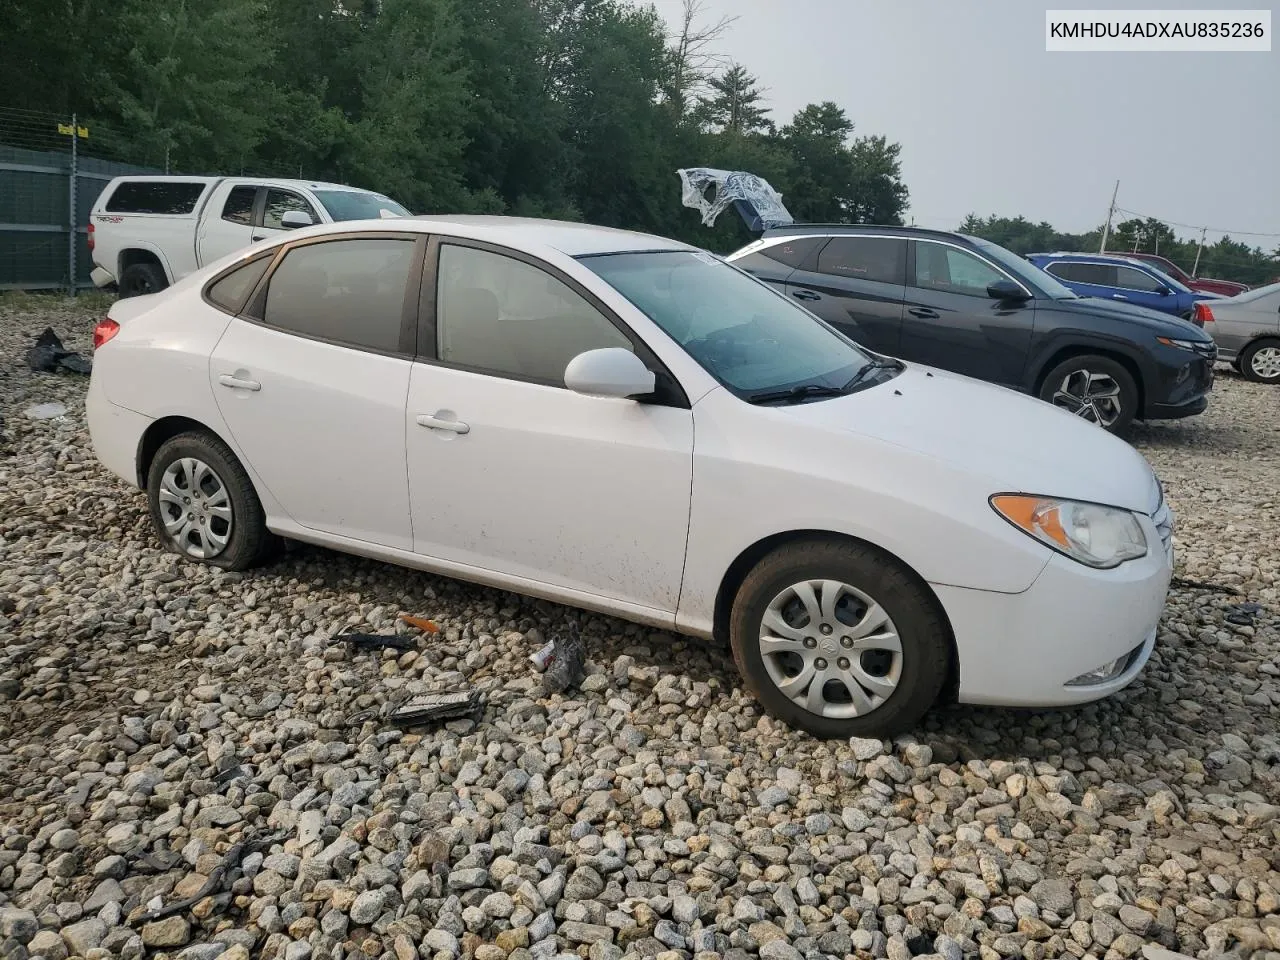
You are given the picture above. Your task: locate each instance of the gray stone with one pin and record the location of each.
(1053, 895)
(780, 950)
(368, 907)
(21, 925)
(84, 936)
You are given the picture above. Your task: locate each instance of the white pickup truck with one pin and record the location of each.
(148, 232)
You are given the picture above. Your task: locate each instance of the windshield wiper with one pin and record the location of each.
(795, 394)
(871, 367)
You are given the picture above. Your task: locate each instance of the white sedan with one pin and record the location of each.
(630, 425)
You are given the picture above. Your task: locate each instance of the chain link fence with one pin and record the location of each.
(52, 169)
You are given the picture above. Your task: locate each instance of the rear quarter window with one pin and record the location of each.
(173, 198)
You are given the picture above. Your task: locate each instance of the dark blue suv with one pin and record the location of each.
(1120, 278)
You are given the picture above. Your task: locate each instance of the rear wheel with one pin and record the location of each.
(839, 640)
(140, 278)
(1094, 388)
(203, 503)
(1260, 361)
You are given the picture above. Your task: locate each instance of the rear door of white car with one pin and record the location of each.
(510, 471)
(311, 379)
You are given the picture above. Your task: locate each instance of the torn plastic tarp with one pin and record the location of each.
(759, 205)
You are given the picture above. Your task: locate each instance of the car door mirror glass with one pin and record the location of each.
(293, 219)
(609, 372)
(1005, 290)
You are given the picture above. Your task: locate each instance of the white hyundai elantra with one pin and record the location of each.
(630, 425)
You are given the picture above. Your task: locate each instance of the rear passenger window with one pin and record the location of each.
(793, 252)
(346, 291)
(232, 290)
(865, 258)
(504, 316)
(174, 198)
(1100, 274)
(239, 205)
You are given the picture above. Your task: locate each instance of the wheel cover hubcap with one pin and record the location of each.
(1266, 362)
(195, 508)
(1092, 396)
(830, 648)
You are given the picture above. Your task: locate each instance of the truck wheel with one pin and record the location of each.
(140, 278)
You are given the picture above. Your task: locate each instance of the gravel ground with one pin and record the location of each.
(156, 715)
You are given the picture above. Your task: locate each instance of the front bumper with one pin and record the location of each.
(1181, 382)
(1025, 649)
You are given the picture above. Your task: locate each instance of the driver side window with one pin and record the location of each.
(499, 315)
(952, 270)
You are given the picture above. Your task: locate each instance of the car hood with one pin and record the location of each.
(1021, 444)
(1161, 324)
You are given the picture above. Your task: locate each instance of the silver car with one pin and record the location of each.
(1247, 331)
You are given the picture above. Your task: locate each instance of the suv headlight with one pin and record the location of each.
(1097, 536)
(1184, 344)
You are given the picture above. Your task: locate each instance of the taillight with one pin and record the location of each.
(104, 331)
(1203, 313)
(90, 235)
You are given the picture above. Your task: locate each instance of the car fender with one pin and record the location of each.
(1057, 342)
(149, 248)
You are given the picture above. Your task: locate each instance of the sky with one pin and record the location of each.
(989, 122)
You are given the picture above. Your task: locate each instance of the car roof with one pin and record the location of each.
(835, 229)
(571, 239)
(1093, 257)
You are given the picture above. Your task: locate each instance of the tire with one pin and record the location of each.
(1260, 361)
(141, 278)
(228, 531)
(902, 687)
(1095, 388)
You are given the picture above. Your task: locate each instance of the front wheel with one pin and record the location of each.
(839, 640)
(1094, 388)
(1260, 361)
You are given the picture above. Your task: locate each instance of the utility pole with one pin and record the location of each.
(1111, 212)
(1203, 231)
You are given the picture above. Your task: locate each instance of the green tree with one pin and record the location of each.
(735, 103)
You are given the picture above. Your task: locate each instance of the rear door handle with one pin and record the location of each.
(238, 383)
(806, 295)
(1118, 296)
(436, 423)
(923, 313)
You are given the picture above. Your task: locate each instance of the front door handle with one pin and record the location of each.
(806, 295)
(1118, 296)
(436, 423)
(924, 313)
(239, 383)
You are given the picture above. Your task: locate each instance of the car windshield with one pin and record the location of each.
(1025, 270)
(357, 205)
(748, 337)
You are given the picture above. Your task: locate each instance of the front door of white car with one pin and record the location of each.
(227, 225)
(510, 471)
(276, 204)
(313, 386)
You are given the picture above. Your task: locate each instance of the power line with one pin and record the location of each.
(1197, 226)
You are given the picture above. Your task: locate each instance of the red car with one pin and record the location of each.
(1227, 288)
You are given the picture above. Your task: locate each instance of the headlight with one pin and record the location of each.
(1099, 537)
(1184, 344)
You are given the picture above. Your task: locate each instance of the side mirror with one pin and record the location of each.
(1163, 291)
(294, 219)
(1006, 290)
(609, 372)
